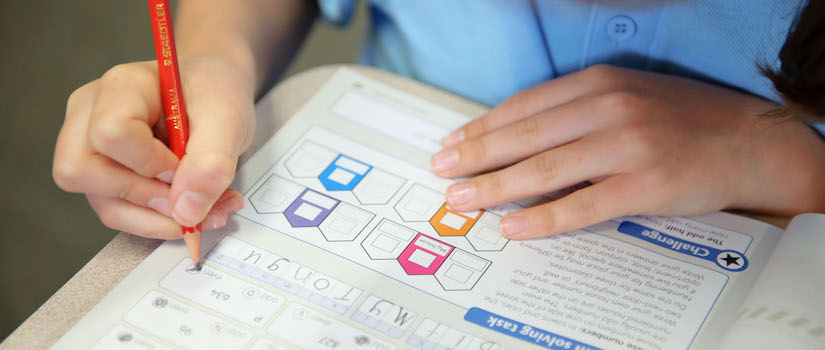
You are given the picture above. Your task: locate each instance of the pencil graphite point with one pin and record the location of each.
(193, 244)
(199, 266)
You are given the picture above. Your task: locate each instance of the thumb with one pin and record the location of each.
(201, 178)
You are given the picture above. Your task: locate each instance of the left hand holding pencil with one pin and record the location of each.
(112, 147)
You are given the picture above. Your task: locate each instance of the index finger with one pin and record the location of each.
(127, 107)
(533, 100)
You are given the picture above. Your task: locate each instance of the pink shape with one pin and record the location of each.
(424, 255)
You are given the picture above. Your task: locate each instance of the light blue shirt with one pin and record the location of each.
(486, 50)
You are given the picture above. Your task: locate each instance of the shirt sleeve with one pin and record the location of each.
(337, 12)
(820, 127)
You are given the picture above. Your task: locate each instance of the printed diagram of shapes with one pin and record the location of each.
(369, 185)
(461, 271)
(343, 174)
(275, 195)
(424, 255)
(310, 209)
(309, 160)
(387, 240)
(345, 222)
(378, 187)
(419, 204)
(449, 222)
(485, 235)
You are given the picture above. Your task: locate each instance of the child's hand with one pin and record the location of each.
(112, 147)
(649, 143)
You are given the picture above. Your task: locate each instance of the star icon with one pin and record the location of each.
(731, 260)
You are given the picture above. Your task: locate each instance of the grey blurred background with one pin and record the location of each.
(50, 48)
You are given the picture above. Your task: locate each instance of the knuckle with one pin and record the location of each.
(546, 166)
(108, 218)
(103, 135)
(473, 151)
(623, 101)
(116, 73)
(66, 175)
(547, 219)
(131, 72)
(78, 95)
(125, 191)
(218, 168)
(477, 127)
(588, 206)
(638, 141)
(529, 131)
(494, 184)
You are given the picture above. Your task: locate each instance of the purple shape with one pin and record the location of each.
(310, 209)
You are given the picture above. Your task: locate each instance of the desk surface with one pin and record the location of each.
(83, 291)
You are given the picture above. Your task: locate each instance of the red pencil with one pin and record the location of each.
(174, 109)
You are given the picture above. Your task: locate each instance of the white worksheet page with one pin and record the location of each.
(346, 242)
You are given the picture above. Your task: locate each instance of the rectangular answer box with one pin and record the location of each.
(308, 211)
(352, 165)
(385, 243)
(319, 199)
(341, 176)
(397, 230)
(342, 225)
(458, 273)
(452, 220)
(273, 197)
(468, 260)
(421, 258)
(489, 235)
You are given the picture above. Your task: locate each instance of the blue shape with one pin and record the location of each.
(515, 329)
(727, 259)
(343, 173)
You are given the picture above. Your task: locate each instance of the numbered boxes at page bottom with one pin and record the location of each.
(183, 325)
(223, 293)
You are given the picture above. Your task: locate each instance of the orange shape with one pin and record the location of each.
(448, 222)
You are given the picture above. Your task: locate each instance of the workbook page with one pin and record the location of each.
(346, 242)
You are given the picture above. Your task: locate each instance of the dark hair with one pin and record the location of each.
(800, 80)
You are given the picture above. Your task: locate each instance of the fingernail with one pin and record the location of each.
(453, 138)
(461, 193)
(189, 207)
(160, 205)
(213, 221)
(166, 176)
(444, 160)
(233, 204)
(514, 226)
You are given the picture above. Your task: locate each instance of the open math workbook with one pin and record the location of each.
(345, 242)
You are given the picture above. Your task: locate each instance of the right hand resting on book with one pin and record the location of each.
(112, 147)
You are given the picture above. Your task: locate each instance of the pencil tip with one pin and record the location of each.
(198, 266)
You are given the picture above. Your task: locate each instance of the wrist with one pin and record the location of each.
(785, 172)
(230, 50)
